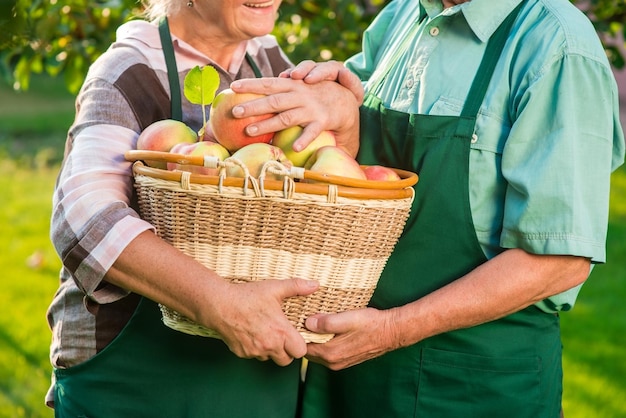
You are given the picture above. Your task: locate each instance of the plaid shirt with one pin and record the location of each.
(94, 217)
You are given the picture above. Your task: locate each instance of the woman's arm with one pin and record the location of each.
(109, 251)
(248, 316)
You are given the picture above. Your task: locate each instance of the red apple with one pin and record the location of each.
(230, 131)
(162, 136)
(253, 156)
(378, 172)
(199, 148)
(284, 140)
(335, 161)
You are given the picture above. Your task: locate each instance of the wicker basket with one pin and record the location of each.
(338, 231)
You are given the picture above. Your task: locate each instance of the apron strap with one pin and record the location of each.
(172, 70)
(255, 68)
(493, 51)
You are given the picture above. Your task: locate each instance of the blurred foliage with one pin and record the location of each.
(66, 36)
(609, 19)
(57, 37)
(309, 29)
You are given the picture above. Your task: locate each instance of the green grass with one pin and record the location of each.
(594, 332)
(32, 132)
(29, 278)
(45, 107)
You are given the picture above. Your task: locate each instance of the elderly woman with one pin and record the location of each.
(111, 353)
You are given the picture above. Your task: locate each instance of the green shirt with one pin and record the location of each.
(548, 134)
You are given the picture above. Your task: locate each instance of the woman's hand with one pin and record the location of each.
(248, 316)
(326, 105)
(251, 322)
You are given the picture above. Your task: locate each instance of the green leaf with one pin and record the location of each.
(201, 84)
(22, 72)
(74, 73)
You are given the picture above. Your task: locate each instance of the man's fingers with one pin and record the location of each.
(350, 81)
(263, 85)
(337, 323)
(286, 112)
(276, 123)
(300, 71)
(318, 324)
(309, 133)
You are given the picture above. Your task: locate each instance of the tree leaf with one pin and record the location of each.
(201, 84)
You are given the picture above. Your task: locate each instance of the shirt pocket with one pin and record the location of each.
(446, 106)
(454, 384)
(491, 129)
(487, 186)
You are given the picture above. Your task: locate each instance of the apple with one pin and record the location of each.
(230, 131)
(378, 172)
(284, 140)
(162, 135)
(253, 156)
(335, 161)
(199, 148)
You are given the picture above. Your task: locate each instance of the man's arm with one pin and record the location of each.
(505, 284)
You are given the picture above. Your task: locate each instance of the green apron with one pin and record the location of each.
(509, 367)
(152, 371)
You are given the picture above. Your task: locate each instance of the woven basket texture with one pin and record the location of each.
(343, 244)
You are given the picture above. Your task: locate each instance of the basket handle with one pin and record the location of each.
(139, 168)
(288, 173)
(230, 162)
(407, 178)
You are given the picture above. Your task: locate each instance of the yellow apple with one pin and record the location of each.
(334, 161)
(253, 156)
(162, 136)
(285, 139)
(230, 131)
(199, 148)
(380, 173)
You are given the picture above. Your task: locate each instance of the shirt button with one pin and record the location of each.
(434, 31)
(409, 83)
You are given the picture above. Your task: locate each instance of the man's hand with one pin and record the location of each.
(312, 72)
(360, 335)
(326, 105)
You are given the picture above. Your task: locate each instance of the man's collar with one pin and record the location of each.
(476, 10)
(482, 16)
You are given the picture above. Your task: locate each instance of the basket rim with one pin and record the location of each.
(345, 187)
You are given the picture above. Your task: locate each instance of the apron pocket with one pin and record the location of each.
(454, 384)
